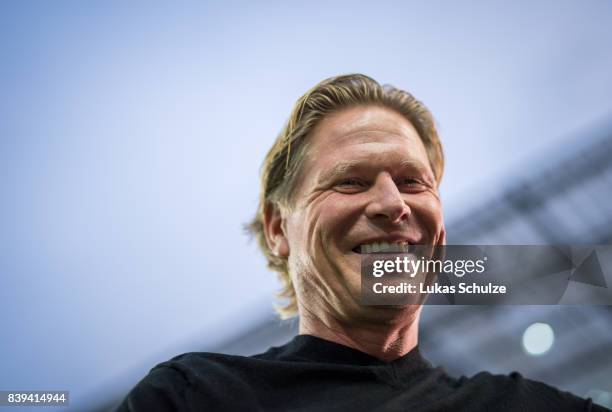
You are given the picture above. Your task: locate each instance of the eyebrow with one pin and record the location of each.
(345, 167)
(338, 170)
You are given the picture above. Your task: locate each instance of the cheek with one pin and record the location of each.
(304, 231)
(342, 211)
(429, 212)
(297, 232)
(333, 217)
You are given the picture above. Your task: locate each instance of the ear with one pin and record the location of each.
(274, 230)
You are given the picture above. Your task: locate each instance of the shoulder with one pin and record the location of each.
(195, 378)
(514, 389)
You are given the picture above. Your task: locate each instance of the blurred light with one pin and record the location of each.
(538, 338)
(602, 398)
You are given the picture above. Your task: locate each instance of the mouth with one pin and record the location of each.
(399, 246)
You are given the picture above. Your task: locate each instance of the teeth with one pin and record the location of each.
(374, 247)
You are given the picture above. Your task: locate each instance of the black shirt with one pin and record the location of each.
(313, 374)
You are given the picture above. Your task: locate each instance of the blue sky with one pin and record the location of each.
(131, 137)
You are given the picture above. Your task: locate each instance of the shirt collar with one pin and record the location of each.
(308, 348)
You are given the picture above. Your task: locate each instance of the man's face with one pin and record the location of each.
(366, 179)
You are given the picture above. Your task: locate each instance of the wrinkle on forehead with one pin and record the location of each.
(390, 162)
(372, 143)
(369, 134)
(367, 120)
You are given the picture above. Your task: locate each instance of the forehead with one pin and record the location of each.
(374, 134)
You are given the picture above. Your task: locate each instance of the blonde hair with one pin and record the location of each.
(283, 162)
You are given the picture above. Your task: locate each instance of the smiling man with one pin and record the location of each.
(365, 180)
(356, 169)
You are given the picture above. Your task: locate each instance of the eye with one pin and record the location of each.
(411, 183)
(350, 182)
(351, 185)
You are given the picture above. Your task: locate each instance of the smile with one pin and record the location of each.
(383, 247)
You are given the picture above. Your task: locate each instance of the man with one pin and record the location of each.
(357, 167)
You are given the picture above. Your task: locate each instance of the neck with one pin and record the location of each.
(385, 341)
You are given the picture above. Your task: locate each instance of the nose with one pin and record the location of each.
(387, 201)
